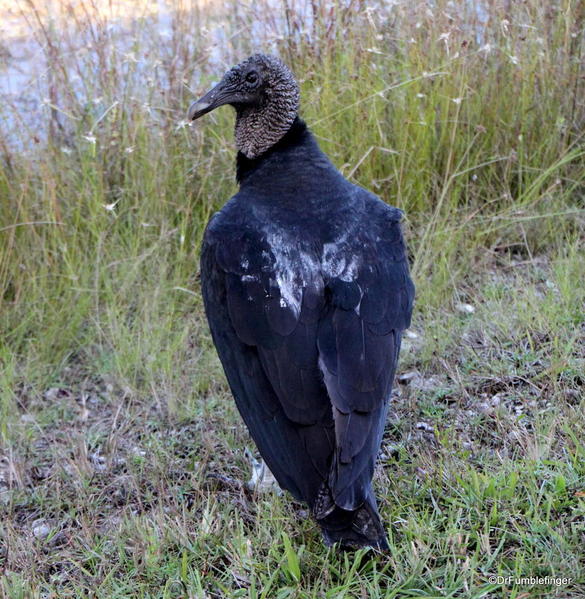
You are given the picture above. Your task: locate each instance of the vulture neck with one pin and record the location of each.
(286, 163)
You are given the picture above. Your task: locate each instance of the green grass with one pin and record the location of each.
(122, 465)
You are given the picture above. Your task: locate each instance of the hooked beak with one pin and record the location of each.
(218, 96)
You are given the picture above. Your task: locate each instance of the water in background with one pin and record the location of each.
(152, 49)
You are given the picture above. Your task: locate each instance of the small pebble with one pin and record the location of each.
(465, 308)
(40, 529)
(424, 426)
(406, 377)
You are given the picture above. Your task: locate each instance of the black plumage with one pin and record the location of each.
(306, 289)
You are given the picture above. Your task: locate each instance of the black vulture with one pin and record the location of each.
(306, 289)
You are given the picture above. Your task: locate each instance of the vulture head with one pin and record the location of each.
(265, 95)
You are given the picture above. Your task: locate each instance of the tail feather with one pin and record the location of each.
(354, 529)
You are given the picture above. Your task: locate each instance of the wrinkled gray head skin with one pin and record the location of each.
(266, 97)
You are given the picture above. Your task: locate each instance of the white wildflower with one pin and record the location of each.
(130, 57)
(465, 308)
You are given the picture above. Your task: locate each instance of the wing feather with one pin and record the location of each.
(358, 352)
(270, 360)
(309, 346)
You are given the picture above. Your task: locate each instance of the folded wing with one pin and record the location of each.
(309, 341)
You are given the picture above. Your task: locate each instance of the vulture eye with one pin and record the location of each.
(252, 77)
